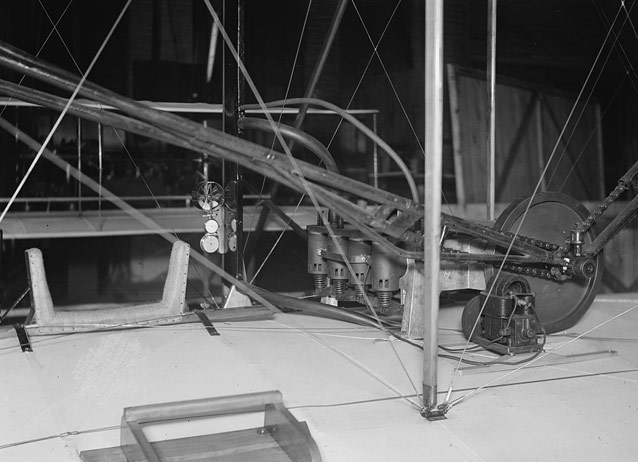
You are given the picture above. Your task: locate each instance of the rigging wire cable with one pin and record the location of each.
(121, 141)
(358, 124)
(627, 62)
(145, 220)
(57, 32)
(64, 111)
(292, 160)
(357, 363)
(375, 52)
(524, 216)
(286, 93)
(40, 49)
(60, 435)
(385, 70)
(274, 246)
(102, 109)
(627, 12)
(584, 107)
(342, 404)
(504, 376)
(594, 132)
(262, 105)
(365, 70)
(363, 75)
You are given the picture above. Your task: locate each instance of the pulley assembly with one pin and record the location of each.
(220, 223)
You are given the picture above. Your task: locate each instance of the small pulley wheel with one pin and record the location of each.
(468, 318)
(550, 218)
(208, 196)
(509, 284)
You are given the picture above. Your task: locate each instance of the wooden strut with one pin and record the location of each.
(382, 219)
(177, 130)
(49, 320)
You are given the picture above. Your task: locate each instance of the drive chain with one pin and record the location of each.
(518, 269)
(517, 237)
(593, 216)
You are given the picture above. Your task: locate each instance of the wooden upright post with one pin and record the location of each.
(233, 88)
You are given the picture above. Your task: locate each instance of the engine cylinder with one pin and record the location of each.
(386, 269)
(317, 264)
(359, 257)
(337, 269)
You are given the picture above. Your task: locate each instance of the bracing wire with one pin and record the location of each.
(375, 53)
(627, 12)
(292, 160)
(139, 216)
(64, 111)
(281, 114)
(538, 358)
(57, 32)
(121, 141)
(114, 130)
(361, 126)
(530, 201)
(584, 106)
(60, 435)
(365, 70)
(274, 246)
(394, 90)
(151, 226)
(358, 364)
(627, 63)
(41, 48)
(543, 173)
(262, 104)
(593, 133)
(137, 169)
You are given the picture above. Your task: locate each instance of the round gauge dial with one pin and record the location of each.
(209, 243)
(211, 226)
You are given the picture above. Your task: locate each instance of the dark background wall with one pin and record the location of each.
(159, 52)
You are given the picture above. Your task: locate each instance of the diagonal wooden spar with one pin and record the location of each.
(395, 216)
(21, 61)
(338, 203)
(88, 182)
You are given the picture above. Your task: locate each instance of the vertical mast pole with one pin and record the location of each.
(432, 200)
(233, 89)
(491, 138)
